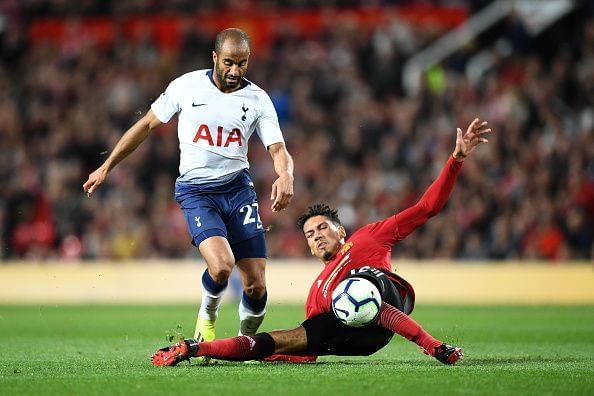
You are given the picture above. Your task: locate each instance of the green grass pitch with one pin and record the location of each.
(104, 350)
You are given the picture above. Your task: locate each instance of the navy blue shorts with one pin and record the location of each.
(232, 215)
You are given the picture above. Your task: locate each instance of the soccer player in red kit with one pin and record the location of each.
(366, 254)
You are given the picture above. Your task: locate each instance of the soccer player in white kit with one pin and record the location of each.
(218, 110)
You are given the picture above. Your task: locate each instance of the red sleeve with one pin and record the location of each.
(431, 202)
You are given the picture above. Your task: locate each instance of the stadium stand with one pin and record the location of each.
(75, 75)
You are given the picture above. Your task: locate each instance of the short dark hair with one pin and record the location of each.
(319, 210)
(238, 36)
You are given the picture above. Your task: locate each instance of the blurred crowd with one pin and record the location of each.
(359, 141)
(64, 8)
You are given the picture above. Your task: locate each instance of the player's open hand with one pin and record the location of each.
(95, 180)
(466, 142)
(282, 192)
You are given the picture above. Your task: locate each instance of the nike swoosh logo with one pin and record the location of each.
(199, 104)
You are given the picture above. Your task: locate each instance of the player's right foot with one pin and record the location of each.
(205, 331)
(448, 354)
(171, 356)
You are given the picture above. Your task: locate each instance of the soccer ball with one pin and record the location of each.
(356, 302)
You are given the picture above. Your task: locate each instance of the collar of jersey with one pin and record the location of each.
(244, 82)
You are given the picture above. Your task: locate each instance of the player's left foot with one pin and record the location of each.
(448, 354)
(171, 356)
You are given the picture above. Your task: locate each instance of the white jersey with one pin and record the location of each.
(214, 127)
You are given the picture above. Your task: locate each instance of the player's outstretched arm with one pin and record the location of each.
(127, 144)
(282, 188)
(439, 191)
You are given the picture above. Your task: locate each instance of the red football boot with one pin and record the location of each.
(170, 356)
(448, 354)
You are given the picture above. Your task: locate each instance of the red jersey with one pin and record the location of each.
(371, 245)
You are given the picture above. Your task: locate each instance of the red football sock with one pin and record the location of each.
(280, 357)
(238, 348)
(395, 320)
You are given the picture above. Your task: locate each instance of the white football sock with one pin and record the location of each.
(209, 307)
(249, 321)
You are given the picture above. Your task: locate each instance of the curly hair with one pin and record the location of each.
(319, 210)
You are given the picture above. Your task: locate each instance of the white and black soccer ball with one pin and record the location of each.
(356, 302)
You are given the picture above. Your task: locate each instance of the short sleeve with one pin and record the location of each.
(267, 125)
(167, 104)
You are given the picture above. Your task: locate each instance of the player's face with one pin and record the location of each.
(230, 65)
(324, 238)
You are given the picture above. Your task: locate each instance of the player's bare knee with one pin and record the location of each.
(255, 290)
(220, 274)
